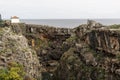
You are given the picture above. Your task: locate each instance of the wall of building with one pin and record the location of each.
(15, 21)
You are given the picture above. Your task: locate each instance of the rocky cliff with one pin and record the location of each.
(14, 50)
(46, 41)
(87, 52)
(94, 55)
(104, 40)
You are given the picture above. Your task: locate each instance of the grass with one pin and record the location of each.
(115, 26)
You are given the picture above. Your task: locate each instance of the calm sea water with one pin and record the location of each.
(68, 23)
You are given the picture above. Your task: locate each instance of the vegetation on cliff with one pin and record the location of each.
(83, 53)
(17, 59)
(13, 71)
(88, 52)
(115, 26)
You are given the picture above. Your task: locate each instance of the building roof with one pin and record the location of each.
(14, 17)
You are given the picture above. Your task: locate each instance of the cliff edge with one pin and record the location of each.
(15, 54)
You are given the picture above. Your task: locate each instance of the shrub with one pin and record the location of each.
(13, 72)
(115, 26)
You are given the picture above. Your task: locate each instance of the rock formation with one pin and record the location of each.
(88, 52)
(14, 49)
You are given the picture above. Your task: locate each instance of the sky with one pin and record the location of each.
(60, 9)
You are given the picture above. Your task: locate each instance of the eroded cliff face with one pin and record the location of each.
(46, 41)
(88, 52)
(14, 48)
(101, 39)
(104, 40)
(93, 56)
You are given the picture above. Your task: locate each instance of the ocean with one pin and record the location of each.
(68, 23)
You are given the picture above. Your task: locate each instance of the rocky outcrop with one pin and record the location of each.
(81, 63)
(42, 32)
(93, 56)
(93, 24)
(14, 48)
(104, 40)
(47, 41)
(88, 52)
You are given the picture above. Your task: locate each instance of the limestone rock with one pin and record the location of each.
(15, 49)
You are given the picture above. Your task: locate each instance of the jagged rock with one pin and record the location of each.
(103, 40)
(3, 59)
(93, 24)
(88, 52)
(117, 71)
(89, 58)
(16, 49)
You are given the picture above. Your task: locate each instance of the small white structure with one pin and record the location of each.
(15, 19)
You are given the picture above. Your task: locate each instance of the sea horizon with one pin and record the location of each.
(69, 23)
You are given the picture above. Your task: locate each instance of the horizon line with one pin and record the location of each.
(62, 18)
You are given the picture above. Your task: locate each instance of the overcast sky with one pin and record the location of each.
(60, 9)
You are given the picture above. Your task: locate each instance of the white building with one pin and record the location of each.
(15, 19)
